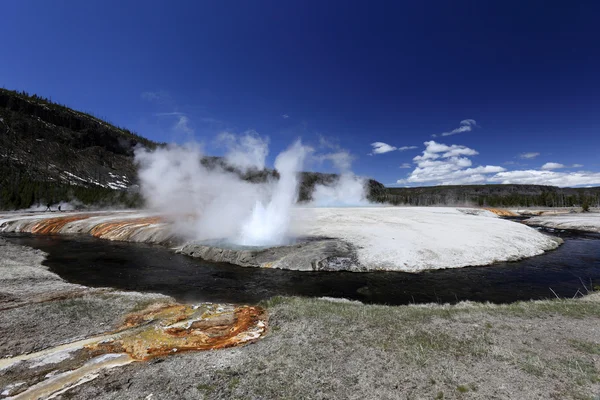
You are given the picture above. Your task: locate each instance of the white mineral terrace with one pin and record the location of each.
(589, 222)
(419, 238)
(385, 238)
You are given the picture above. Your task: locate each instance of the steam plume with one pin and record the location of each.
(210, 203)
(204, 201)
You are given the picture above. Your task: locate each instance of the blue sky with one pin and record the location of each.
(516, 83)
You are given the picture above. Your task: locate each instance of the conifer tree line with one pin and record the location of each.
(493, 196)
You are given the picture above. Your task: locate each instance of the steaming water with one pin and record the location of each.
(268, 225)
(209, 201)
(140, 267)
(349, 191)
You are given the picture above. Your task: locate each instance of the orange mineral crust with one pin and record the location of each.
(54, 225)
(173, 328)
(121, 230)
(501, 212)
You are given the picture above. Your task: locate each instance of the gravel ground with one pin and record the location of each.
(319, 348)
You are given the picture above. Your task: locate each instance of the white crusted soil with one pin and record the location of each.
(589, 222)
(419, 238)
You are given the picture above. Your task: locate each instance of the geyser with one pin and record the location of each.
(268, 225)
(210, 202)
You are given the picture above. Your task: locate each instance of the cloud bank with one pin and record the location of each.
(441, 164)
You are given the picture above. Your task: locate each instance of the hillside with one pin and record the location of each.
(51, 153)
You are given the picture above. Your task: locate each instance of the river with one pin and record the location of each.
(573, 267)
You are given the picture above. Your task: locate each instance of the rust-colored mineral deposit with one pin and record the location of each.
(54, 225)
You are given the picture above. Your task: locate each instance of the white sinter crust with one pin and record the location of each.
(414, 239)
(589, 222)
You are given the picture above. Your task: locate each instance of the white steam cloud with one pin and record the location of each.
(269, 222)
(205, 202)
(346, 191)
(245, 152)
(202, 202)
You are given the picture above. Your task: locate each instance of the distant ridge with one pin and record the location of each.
(508, 195)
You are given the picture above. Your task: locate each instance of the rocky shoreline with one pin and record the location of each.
(55, 335)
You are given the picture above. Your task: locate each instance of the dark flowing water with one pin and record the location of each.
(130, 266)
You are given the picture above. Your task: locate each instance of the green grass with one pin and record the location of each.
(533, 365)
(585, 346)
(206, 388)
(462, 388)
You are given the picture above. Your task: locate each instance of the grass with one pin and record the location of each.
(318, 349)
(462, 388)
(442, 341)
(533, 365)
(585, 346)
(206, 388)
(425, 313)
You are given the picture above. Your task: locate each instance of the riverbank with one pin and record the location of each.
(55, 335)
(315, 348)
(586, 222)
(408, 239)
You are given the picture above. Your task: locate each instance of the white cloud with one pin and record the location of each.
(441, 164)
(460, 151)
(528, 156)
(285, 116)
(576, 165)
(381, 148)
(183, 125)
(552, 165)
(406, 165)
(466, 125)
(433, 149)
(552, 178)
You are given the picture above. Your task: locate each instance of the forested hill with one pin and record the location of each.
(49, 152)
(493, 195)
